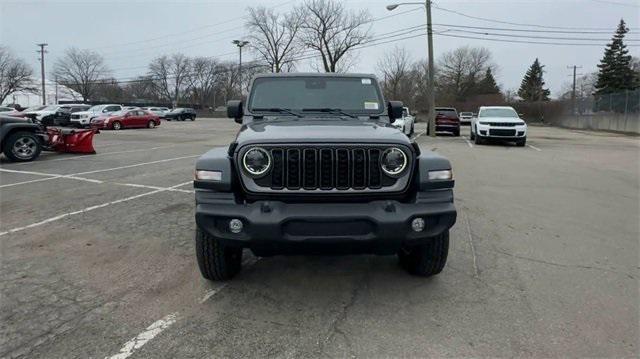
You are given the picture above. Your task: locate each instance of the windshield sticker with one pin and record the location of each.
(366, 81)
(370, 105)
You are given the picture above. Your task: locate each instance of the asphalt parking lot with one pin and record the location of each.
(97, 260)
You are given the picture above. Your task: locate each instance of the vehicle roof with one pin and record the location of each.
(445, 108)
(74, 104)
(315, 74)
(486, 107)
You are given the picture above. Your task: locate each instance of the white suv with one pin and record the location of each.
(498, 122)
(83, 118)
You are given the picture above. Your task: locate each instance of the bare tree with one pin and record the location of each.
(170, 75)
(81, 70)
(461, 70)
(395, 70)
(15, 74)
(205, 77)
(332, 31)
(273, 36)
(109, 90)
(142, 89)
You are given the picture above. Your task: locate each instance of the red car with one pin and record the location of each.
(135, 118)
(447, 120)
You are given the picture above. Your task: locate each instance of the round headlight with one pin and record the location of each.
(256, 161)
(393, 161)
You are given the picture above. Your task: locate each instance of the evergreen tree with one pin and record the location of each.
(488, 84)
(532, 86)
(615, 73)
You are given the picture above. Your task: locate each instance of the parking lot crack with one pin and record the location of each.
(555, 264)
(334, 327)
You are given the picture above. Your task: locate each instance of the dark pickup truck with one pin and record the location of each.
(317, 168)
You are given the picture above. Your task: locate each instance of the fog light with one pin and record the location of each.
(235, 225)
(417, 224)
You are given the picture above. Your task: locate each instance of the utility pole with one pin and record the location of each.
(431, 129)
(42, 52)
(431, 85)
(573, 91)
(240, 44)
(56, 79)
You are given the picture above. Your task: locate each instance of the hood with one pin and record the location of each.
(319, 131)
(500, 119)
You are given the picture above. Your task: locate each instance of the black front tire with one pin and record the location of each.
(22, 146)
(478, 140)
(192, 118)
(522, 142)
(216, 261)
(472, 136)
(428, 259)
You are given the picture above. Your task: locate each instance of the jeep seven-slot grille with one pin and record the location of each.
(325, 168)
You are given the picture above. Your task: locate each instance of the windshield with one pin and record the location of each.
(348, 94)
(466, 113)
(448, 112)
(50, 108)
(97, 108)
(498, 112)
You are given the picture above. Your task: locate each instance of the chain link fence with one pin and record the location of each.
(627, 102)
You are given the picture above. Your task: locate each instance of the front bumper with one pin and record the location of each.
(274, 227)
(80, 121)
(488, 131)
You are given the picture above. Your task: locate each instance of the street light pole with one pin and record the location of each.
(431, 128)
(240, 44)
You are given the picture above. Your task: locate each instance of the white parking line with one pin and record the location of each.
(153, 187)
(535, 148)
(210, 293)
(141, 339)
(467, 141)
(75, 175)
(48, 176)
(91, 208)
(79, 157)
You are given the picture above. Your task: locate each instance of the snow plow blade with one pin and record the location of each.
(71, 140)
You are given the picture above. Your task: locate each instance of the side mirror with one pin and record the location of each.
(394, 109)
(234, 110)
(521, 114)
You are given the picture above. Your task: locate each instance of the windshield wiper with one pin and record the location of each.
(330, 110)
(279, 110)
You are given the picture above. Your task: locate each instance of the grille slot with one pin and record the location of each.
(501, 132)
(325, 168)
(309, 174)
(293, 168)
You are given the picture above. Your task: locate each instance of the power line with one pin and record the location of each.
(234, 36)
(535, 37)
(528, 30)
(184, 32)
(515, 23)
(390, 36)
(525, 42)
(615, 3)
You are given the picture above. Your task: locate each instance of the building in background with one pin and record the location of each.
(54, 94)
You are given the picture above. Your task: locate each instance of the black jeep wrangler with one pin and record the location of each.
(317, 168)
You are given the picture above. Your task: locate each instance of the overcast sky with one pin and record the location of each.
(131, 33)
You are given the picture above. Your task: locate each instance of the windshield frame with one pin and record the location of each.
(514, 113)
(305, 110)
